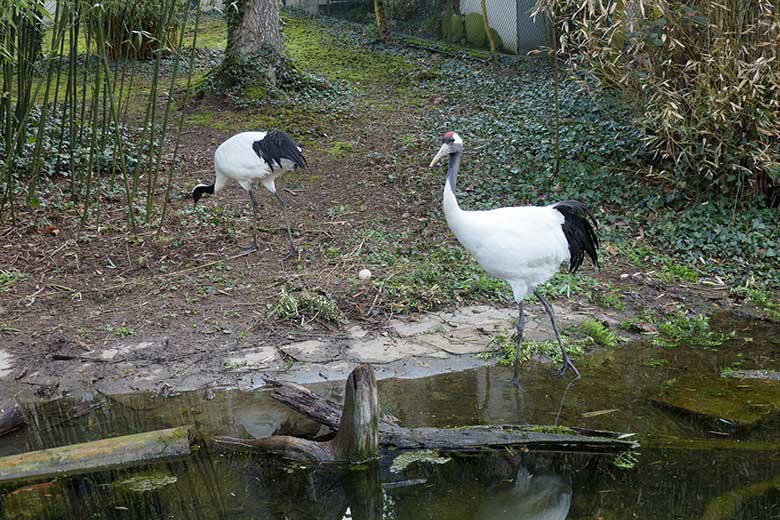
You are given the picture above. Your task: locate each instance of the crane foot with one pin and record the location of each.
(250, 248)
(567, 364)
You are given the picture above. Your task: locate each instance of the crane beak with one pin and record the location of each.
(444, 150)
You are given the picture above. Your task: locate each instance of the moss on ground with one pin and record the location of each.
(319, 51)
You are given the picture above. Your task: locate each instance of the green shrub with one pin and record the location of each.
(307, 305)
(456, 30)
(598, 332)
(133, 28)
(475, 30)
(703, 78)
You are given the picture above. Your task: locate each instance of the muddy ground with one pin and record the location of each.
(185, 308)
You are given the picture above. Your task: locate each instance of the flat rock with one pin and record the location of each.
(460, 341)
(426, 323)
(480, 315)
(109, 354)
(311, 351)
(253, 358)
(385, 350)
(741, 402)
(357, 332)
(766, 375)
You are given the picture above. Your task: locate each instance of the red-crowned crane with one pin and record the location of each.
(525, 245)
(255, 156)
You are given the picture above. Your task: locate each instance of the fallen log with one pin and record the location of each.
(11, 418)
(101, 454)
(390, 434)
(357, 440)
(328, 412)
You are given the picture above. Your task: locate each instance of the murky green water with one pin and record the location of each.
(729, 473)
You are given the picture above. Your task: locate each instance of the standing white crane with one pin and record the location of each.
(525, 245)
(251, 156)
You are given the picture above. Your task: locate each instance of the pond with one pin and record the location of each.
(689, 467)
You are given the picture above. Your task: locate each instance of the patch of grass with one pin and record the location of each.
(761, 298)
(123, 331)
(307, 305)
(568, 285)
(6, 328)
(340, 149)
(506, 346)
(598, 332)
(626, 460)
(609, 298)
(9, 278)
(655, 362)
(643, 321)
(444, 275)
(422, 277)
(692, 331)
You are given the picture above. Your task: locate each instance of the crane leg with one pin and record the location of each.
(551, 313)
(292, 250)
(253, 245)
(518, 350)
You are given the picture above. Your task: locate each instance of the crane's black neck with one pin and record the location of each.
(452, 170)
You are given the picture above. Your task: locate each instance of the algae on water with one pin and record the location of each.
(408, 458)
(146, 482)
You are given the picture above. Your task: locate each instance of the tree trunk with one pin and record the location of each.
(358, 437)
(357, 440)
(253, 25)
(381, 20)
(254, 53)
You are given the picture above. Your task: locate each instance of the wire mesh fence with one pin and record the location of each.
(511, 19)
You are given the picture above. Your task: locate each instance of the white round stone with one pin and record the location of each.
(364, 274)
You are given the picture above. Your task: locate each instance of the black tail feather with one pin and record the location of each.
(579, 227)
(277, 145)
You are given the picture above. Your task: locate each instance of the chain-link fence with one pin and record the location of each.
(511, 19)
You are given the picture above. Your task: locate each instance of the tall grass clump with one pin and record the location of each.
(79, 124)
(705, 76)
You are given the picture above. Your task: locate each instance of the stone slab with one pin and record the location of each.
(385, 350)
(311, 351)
(426, 323)
(253, 358)
(471, 342)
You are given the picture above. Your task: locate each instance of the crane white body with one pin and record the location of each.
(236, 159)
(523, 245)
(254, 156)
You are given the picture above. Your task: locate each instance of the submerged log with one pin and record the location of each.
(101, 454)
(357, 440)
(353, 441)
(467, 438)
(11, 417)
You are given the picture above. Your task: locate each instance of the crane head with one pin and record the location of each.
(450, 143)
